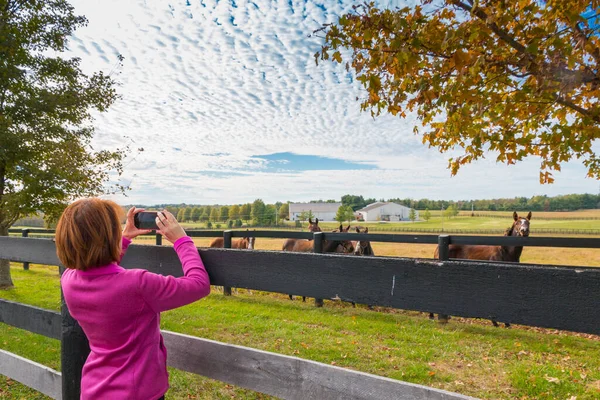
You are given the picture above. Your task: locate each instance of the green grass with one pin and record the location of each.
(466, 356)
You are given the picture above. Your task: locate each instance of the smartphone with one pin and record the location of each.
(145, 220)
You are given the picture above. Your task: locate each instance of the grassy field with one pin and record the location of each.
(535, 255)
(466, 356)
(595, 213)
(458, 222)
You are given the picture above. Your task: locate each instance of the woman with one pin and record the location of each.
(119, 309)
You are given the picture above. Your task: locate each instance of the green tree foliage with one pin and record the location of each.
(517, 78)
(356, 202)
(270, 217)
(205, 216)
(196, 213)
(46, 105)
(412, 215)
(180, 214)
(238, 223)
(224, 213)
(214, 214)
(187, 214)
(344, 213)
(258, 212)
(306, 215)
(427, 214)
(245, 211)
(284, 211)
(234, 212)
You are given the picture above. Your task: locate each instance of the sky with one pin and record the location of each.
(228, 104)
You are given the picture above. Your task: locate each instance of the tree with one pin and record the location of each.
(258, 212)
(284, 211)
(214, 214)
(245, 212)
(224, 213)
(412, 215)
(187, 214)
(196, 213)
(306, 215)
(46, 104)
(344, 213)
(427, 215)
(516, 78)
(270, 217)
(205, 216)
(180, 214)
(234, 212)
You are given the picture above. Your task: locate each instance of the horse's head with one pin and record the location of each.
(361, 246)
(521, 225)
(249, 240)
(314, 226)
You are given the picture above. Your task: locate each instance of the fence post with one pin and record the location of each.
(158, 239)
(74, 350)
(444, 247)
(227, 245)
(318, 248)
(443, 255)
(25, 233)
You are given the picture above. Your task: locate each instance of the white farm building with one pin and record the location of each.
(323, 211)
(382, 211)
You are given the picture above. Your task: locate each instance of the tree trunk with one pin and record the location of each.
(5, 279)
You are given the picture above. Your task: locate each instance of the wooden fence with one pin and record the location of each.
(553, 297)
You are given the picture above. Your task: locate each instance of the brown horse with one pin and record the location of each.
(302, 245)
(520, 227)
(362, 247)
(244, 243)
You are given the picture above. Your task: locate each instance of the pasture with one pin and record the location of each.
(535, 255)
(466, 356)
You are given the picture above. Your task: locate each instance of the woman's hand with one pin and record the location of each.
(130, 231)
(169, 227)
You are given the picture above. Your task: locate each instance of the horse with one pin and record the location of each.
(302, 245)
(520, 227)
(244, 243)
(362, 247)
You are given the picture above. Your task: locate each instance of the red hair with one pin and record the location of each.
(88, 234)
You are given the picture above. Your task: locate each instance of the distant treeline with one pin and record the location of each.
(569, 202)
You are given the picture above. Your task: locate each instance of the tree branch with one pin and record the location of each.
(522, 50)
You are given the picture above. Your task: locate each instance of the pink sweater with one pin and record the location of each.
(119, 311)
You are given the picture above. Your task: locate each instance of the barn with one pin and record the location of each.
(323, 211)
(385, 211)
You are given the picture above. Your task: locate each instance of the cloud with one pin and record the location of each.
(207, 86)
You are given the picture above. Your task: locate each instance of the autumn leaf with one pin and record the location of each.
(516, 78)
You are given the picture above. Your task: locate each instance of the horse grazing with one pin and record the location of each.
(244, 243)
(302, 245)
(520, 227)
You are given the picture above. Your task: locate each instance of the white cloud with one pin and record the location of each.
(207, 86)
